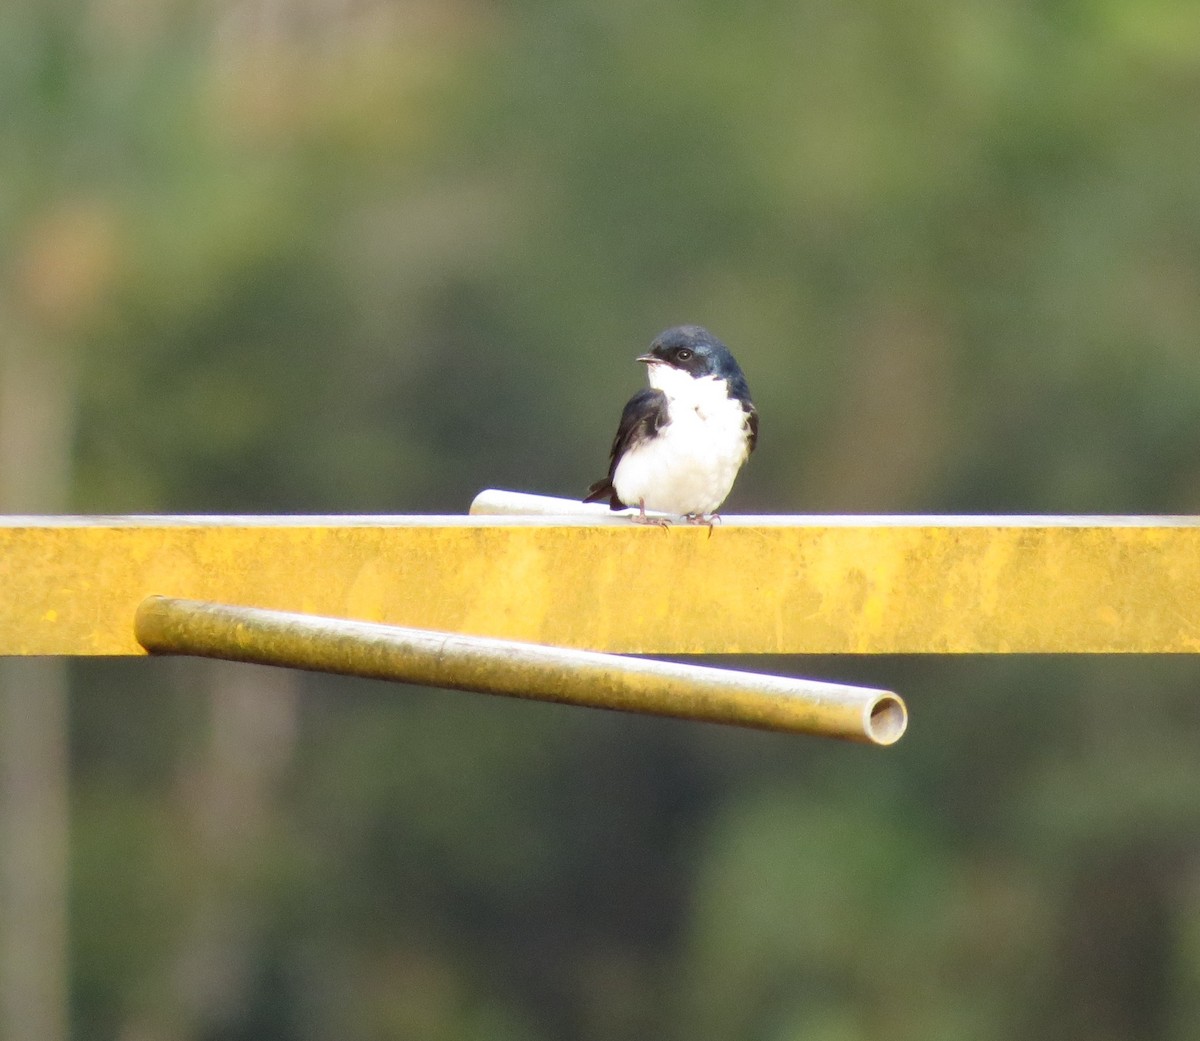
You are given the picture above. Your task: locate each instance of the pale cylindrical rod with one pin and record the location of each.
(165, 625)
(496, 502)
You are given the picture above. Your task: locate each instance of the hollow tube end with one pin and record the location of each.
(886, 719)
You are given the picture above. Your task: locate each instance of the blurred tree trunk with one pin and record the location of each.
(253, 723)
(36, 410)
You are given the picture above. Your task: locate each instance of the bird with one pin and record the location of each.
(682, 440)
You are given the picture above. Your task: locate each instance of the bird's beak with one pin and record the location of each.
(649, 359)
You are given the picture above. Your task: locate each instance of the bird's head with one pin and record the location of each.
(693, 351)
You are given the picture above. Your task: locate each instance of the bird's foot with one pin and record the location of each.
(711, 519)
(641, 517)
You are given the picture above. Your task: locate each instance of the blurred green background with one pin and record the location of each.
(375, 255)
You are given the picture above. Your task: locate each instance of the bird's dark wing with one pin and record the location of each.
(752, 424)
(644, 416)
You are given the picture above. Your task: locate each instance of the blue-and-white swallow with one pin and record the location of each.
(682, 440)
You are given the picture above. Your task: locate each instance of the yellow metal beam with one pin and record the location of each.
(856, 585)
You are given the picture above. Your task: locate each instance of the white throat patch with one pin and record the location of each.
(687, 390)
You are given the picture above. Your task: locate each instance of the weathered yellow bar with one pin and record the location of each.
(166, 625)
(856, 585)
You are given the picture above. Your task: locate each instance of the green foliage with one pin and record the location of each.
(375, 257)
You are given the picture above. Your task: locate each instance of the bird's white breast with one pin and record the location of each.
(690, 466)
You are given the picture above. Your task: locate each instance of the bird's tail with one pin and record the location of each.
(602, 490)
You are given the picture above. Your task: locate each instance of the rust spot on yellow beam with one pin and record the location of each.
(856, 585)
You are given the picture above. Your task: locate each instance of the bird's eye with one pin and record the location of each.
(683, 354)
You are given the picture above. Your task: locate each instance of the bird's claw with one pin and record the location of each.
(641, 517)
(699, 518)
